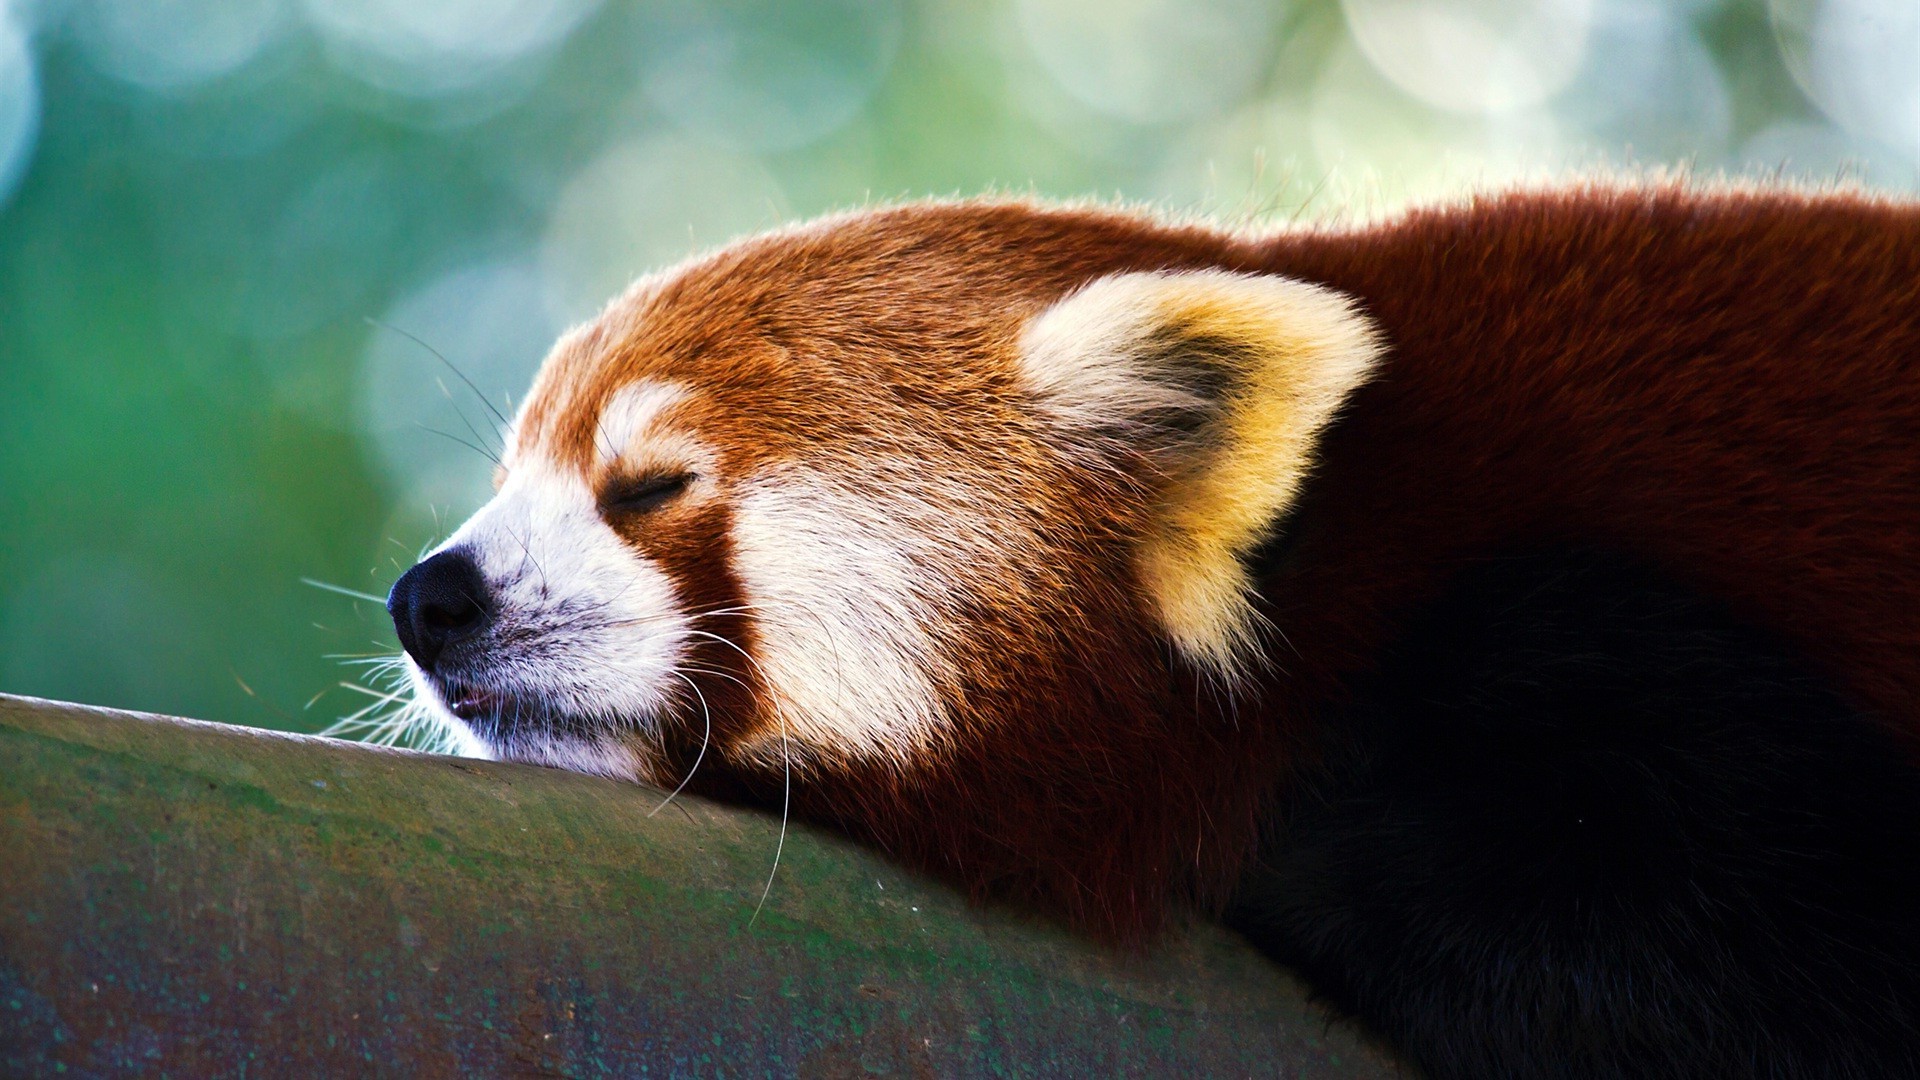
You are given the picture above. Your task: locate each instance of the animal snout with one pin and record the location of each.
(442, 600)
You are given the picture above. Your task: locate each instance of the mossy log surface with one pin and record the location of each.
(196, 900)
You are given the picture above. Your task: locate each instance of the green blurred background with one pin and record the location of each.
(212, 212)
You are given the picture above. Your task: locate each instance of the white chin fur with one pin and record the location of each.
(593, 756)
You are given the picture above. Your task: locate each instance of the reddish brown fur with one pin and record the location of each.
(1724, 382)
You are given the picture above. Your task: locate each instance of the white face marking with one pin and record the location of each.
(863, 599)
(629, 415)
(842, 617)
(586, 633)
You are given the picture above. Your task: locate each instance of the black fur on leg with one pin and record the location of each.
(1592, 826)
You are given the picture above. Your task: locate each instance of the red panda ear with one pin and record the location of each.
(1216, 385)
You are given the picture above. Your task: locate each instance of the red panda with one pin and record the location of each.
(1507, 613)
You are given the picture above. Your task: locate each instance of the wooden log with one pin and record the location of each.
(190, 899)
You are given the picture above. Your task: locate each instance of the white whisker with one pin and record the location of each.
(344, 591)
(384, 696)
(718, 674)
(707, 736)
(786, 803)
(396, 717)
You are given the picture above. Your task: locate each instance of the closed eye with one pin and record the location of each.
(639, 494)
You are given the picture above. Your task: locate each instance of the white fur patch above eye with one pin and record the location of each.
(1222, 382)
(629, 415)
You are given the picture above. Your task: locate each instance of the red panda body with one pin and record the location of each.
(1571, 723)
(1725, 385)
(1647, 494)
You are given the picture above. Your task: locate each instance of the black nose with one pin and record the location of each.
(440, 601)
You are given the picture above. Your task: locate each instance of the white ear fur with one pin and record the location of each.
(1222, 382)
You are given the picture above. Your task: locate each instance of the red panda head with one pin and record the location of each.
(890, 506)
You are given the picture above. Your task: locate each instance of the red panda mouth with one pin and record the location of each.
(466, 701)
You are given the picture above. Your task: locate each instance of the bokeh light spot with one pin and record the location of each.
(644, 205)
(488, 321)
(1389, 149)
(1243, 169)
(19, 103)
(169, 44)
(766, 75)
(1859, 61)
(315, 259)
(1473, 55)
(1649, 90)
(1152, 61)
(425, 48)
